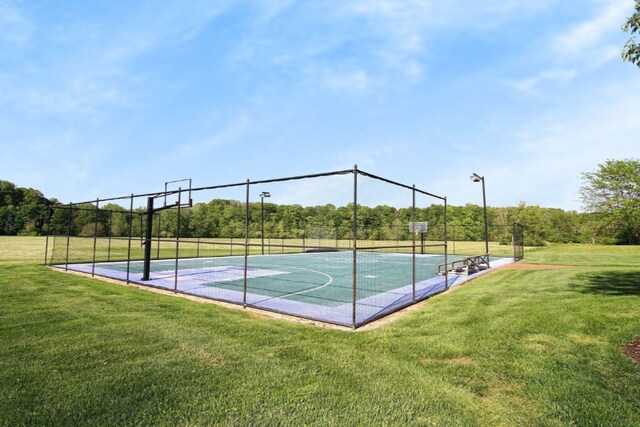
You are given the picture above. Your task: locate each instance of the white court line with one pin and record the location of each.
(295, 254)
(154, 261)
(312, 289)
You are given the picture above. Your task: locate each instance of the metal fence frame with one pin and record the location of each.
(247, 244)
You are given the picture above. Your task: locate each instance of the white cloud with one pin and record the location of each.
(15, 29)
(270, 9)
(77, 94)
(581, 49)
(381, 41)
(403, 23)
(406, 30)
(412, 18)
(353, 81)
(93, 68)
(530, 83)
(549, 152)
(591, 33)
(400, 30)
(235, 130)
(151, 29)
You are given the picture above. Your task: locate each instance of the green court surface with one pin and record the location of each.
(317, 285)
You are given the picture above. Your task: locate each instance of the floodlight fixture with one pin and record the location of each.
(477, 178)
(262, 196)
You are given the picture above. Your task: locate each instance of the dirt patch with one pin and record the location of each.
(521, 266)
(464, 361)
(632, 350)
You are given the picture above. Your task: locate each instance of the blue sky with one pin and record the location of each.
(107, 98)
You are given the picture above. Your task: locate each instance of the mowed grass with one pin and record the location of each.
(515, 347)
(586, 255)
(22, 249)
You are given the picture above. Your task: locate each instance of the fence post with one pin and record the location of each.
(520, 241)
(95, 239)
(158, 233)
(130, 237)
(446, 250)
(355, 241)
(66, 262)
(246, 248)
(513, 240)
(413, 247)
(110, 232)
(175, 277)
(46, 243)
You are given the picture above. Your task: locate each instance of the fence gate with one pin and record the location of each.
(518, 241)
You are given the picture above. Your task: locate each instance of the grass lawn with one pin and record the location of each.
(586, 256)
(515, 347)
(21, 249)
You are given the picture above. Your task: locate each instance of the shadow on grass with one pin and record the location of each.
(610, 283)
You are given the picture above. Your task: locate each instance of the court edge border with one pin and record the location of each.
(374, 322)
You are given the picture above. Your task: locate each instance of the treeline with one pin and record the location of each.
(23, 211)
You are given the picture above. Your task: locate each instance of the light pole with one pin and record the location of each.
(477, 178)
(262, 196)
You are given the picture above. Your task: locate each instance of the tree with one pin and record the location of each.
(612, 194)
(22, 210)
(631, 51)
(117, 220)
(31, 212)
(534, 218)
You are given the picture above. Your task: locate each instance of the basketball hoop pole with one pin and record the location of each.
(147, 240)
(151, 211)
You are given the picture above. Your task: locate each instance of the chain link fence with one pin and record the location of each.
(334, 247)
